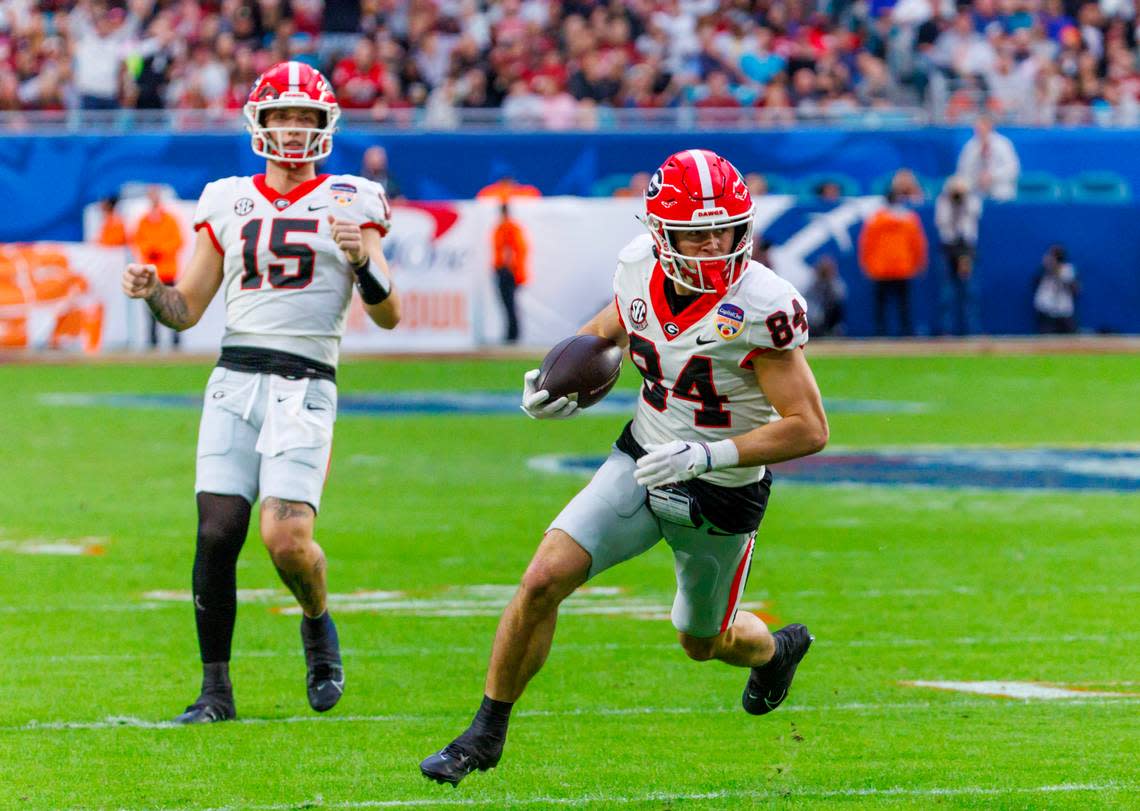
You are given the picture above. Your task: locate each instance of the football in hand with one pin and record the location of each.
(582, 365)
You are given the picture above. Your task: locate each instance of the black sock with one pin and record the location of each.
(216, 679)
(222, 525)
(319, 629)
(492, 719)
(316, 625)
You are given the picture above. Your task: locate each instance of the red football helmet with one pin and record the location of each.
(698, 191)
(291, 84)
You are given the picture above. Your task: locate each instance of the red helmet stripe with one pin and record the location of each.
(699, 158)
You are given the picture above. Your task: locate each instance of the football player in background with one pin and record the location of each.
(288, 247)
(718, 340)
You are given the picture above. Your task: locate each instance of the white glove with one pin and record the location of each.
(535, 405)
(679, 461)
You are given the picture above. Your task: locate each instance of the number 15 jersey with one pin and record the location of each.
(287, 284)
(699, 383)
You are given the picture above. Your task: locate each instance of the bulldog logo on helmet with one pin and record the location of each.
(654, 187)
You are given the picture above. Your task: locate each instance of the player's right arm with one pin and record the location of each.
(181, 306)
(607, 323)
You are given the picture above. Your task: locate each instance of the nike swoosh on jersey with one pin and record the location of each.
(705, 343)
(316, 208)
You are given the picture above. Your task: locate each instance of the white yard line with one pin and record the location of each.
(784, 794)
(858, 708)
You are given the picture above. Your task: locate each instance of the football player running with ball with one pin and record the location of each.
(718, 340)
(288, 247)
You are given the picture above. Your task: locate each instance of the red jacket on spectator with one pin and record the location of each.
(892, 245)
(357, 89)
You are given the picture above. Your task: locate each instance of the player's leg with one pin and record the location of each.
(605, 524)
(712, 572)
(287, 531)
(226, 483)
(293, 471)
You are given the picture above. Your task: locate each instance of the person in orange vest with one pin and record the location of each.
(892, 251)
(157, 241)
(509, 245)
(113, 231)
(505, 188)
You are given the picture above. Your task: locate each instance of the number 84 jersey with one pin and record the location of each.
(287, 284)
(699, 382)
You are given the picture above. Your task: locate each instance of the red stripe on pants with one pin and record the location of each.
(737, 587)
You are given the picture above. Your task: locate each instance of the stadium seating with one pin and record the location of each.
(1040, 187)
(1100, 187)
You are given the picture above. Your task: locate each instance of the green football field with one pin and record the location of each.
(1021, 602)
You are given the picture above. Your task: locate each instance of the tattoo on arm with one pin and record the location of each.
(169, 307)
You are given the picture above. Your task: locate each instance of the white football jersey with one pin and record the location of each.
(287, 285)
(697, 364)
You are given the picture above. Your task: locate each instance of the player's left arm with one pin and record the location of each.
(789, 385)
(362, 249)
(786, 380)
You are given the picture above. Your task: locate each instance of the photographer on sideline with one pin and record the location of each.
(1055, 296)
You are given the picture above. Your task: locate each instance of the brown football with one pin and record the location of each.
(585, 365)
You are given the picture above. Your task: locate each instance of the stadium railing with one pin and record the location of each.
(588, 119)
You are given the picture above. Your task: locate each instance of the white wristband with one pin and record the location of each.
(723, 454)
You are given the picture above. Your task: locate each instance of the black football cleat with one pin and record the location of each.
(324, 679)
(768, 684)
(459, 758)
(208, 709)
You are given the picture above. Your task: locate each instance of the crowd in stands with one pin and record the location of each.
(534, 63)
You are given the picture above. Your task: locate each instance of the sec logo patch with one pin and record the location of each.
(243, 206)
(729, 321)
(639, 313)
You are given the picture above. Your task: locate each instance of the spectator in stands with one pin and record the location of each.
(522, 108)
(826, 296)
(358, 79)
(788, 61)
(718, 105)
(99, 35)
(112, 231)
(892, 251)
(155, 58)
(988, 162)
(956, 214)
(1055, 293)
(509, 245)
(157, 240)
(374, 167)
(558, 108)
